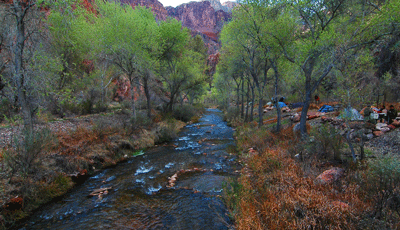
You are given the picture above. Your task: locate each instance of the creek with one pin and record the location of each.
(175, 186)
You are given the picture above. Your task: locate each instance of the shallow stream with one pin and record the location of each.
(177, 186)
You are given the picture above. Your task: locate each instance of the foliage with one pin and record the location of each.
(166, 133)
(24, 158)
(232, 116)
(5, 109)
(382, 180)
(325, 143)
(280, 194)
(257, 138)
(185, 113)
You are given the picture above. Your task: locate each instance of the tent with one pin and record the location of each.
(352, 114)
(281, 104)
(326, 108)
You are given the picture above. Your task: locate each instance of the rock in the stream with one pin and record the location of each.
(99, 192)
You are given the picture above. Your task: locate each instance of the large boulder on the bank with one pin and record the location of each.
(377, 133)
(381, 126)
(330, 176)
(295, 117)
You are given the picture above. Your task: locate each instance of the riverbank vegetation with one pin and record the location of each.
(277, 189)
(323, 172)
(85, 84)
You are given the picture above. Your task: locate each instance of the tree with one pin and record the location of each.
(326, 32)
(24, 17)
(71, 37)
(181, 66)
(230, 71)
(127, 37)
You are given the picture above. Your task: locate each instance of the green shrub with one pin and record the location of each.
(126, 107)
(231, 113)
(184, 113)
(250, 136)
(325, 143)
(140, 121)
(5, 109)
(383, 184)
(165, 134)
(25, 156)
(101, 107)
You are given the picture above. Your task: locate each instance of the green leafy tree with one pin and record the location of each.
(181, 65)
(127, 39)
(71, 38)
(327, 31)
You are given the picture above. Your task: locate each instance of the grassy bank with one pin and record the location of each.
(279, 190)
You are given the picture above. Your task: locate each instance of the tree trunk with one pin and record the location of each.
(237, 97)
(353, 154)
(247, 104)
(278, 109)
(260, 112)
(242, 112)
(133, 98)
(19, 76)
(147, 93)
(303, 116)
(252, 103)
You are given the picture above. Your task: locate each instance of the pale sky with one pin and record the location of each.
(175, 3)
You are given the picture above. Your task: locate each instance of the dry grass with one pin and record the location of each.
(276, 192)
(78, 141)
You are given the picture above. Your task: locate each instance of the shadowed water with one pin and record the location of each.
(140, 195)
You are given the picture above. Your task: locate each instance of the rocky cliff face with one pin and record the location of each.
(226, 6)
(203, 19)
(229, 6)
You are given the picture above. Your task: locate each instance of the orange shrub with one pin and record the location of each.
(76, 142)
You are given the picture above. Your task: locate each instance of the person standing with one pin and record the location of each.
(391, 114)
(316, 97)
(383, 114)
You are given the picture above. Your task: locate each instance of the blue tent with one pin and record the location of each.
(326, 108)
(281, 104)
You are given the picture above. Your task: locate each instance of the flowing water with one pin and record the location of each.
(178, 186)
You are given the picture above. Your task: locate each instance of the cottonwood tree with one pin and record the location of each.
(71, 38)
(230, 74)
(127, 36)
(180, 66)
(244, 32)
(326, 31)
(24, 17)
